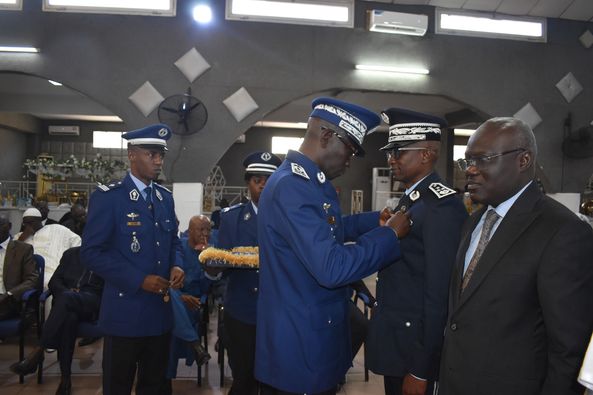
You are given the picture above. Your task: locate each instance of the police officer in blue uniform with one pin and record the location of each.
(406, 329)
(303, 333)
(131, 241)
(238, 227)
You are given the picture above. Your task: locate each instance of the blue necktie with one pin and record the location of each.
(148, 191)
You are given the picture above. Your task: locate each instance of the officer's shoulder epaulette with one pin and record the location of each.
(163, 188)
(108, 187)
(236, 206)
(299, 170)
(441, 190)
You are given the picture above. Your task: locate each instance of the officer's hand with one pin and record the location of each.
(191, 302)
(177, 277)
(384, 215)
(401, 223)
(155, 284)
(413, 386)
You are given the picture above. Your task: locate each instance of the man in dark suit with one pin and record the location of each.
(18, 271)
(406, 329)
(76, 297)
(521, 295)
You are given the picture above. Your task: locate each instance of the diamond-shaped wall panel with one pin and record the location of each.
(569, 86)
(528, 115)
(240, 104)
(192, 64)
(146, 98)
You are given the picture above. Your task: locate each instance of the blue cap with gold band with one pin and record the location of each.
(354, 121)
(153, 136)
(261, 162)
(407, 127)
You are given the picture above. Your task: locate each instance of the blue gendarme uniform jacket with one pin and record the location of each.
(123, 242)
(406, 330)
(238, 228)
(303, 333)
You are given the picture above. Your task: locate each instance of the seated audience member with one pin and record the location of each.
(49, 241)
(76, 220)
(17, 271)
(76, 298)
(43, 208)
(186, 341)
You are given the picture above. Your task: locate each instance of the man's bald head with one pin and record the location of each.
(199, 231)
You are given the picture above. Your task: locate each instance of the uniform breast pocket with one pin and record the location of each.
(327, 345)
(167, 225)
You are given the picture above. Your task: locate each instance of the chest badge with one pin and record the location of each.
(321, 177)
(135, 245)
(247, 216)
(415, 195)
(326, 207)
(134, 195)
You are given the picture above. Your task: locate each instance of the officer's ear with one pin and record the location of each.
(131, 153)
(325, 134)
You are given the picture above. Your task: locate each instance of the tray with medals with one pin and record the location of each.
(236, 258)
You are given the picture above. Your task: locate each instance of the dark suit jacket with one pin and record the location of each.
(19, 273)
(406, 329)
(522, 325)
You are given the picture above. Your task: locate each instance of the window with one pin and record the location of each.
(16, 5)
(487, 25)
(129, 7)
(103, 139)
(281, 145)
(323, 13)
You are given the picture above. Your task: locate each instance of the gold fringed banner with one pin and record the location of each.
(237, 257)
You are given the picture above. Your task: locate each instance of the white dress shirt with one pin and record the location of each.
(502, 209)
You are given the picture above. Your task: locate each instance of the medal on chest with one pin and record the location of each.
(135, 245)
(331, 220)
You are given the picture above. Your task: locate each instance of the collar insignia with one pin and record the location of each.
(414, 196)
(247, 216)
(326, 207)
(441, 190)
(134, 195)
(158, 194)
(299, 170)
(321, 177)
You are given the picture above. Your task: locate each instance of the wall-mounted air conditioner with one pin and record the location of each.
(397, 23)
(64, 130)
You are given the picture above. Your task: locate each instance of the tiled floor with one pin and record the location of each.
(86, 379)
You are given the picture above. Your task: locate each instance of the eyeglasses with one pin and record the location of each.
(344, 140)
(482, 162)
(397, 152)
(153, 155)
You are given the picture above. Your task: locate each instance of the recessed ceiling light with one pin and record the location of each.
(330, 13)
(391, 69)
(19, 49)
(202, 13)
(486, 25)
